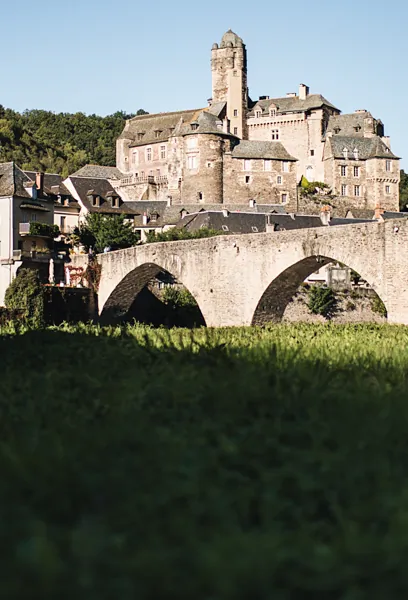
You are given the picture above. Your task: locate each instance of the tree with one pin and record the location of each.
(403, 191)
(141, 112)
(100, 231)
(26, 293)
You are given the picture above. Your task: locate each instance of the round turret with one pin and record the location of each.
(215, 46)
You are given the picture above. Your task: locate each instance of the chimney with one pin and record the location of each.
(169, 199)
(325, 214)
(252, 203)
(39, 181)
(291, 95)
(209, 101)
(303, 91)
(144, 219)
(225, 212)
(378, 211)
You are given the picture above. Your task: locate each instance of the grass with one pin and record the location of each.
(209, 464)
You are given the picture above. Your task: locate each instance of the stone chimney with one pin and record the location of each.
(144, 219)
(325, 214)
(378, 211)
(303, 91)
(39, 181)
(169, 200)
(252, 203)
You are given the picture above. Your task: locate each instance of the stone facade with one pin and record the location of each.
(157, 161)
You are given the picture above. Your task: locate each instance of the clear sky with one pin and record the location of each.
(100, 56)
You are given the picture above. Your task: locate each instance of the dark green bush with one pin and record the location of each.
(26, 294)
(321, 301)
(44, 229)
(378, 306)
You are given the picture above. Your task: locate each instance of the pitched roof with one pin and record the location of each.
(12, 180)
(350, 125)
(256, 149)
(372, 147)
(155, 128)
(98, 187)
(235, 221)
(291, 104)
(51, 180)
(98, 171)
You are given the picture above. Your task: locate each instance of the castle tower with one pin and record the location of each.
(229, 80)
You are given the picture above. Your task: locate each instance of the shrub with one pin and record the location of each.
(26, 294)
(178, 298)
(44, 229)
(378, 306)
(322, 301)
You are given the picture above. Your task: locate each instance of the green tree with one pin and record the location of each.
(100, 231)
(403, 191)
(26, 293)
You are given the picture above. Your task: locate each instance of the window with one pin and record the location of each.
(345, 153)
(115, 202)
(148, 154)
(225, 228)
(192, 162)
(275, 134)
(272, 112)
(267, 165)
(284, 198)
(95, 201)
(311, 152)
(62, 223)
(235, 112)
(343, 171)
(200, 197)
(344, 190)
(337, 130)
(247, 165)
(285, 166)
(355, 152)
(235, 130)
(356, 171)
(388, 165)
(209, 164)
(247, 179)
(157, 133)
(135, 157)
(140, 135)
(162, 152)
(192, 142)
(388, 189)
(279, 179)
(235, 73)
(356, 190)
(357, 128)
(157, 172)
(258, 113)
(254, 229)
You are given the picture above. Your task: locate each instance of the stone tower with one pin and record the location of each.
(229, 80)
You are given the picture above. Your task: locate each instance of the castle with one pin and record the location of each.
(238, 150)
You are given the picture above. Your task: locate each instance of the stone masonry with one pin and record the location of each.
(243, 280)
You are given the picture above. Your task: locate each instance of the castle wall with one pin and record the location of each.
(258, 184)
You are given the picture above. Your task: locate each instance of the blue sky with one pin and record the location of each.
(102, 56)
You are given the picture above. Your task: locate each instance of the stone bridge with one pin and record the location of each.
(249, 279)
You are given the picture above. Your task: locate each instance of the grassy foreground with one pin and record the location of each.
(213, 464)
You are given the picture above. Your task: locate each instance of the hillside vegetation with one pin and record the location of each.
(225, 464)
(59, 143)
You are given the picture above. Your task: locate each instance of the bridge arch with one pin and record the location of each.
(124, 295)
(280, 291)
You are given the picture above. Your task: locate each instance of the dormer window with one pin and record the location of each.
(65, 202)
(337, 130)
(194, 126)
(157, 133)
(258, 113)
(96, 201)
(171, 130)
(355, 152)
(115, 202)
(357, 128)
(140, 135)
(272, 112)
(154, 216)
(345, 153)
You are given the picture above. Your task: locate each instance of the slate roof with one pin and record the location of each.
(291, 104)
(266, 150)
(12, 180)
(348, 124)
(99, 171)
(394, 215)
(51, 180)
(372, 147)
(99, 187)
(207, 123)
(155, 128)
(235, 221)
(360, 213)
